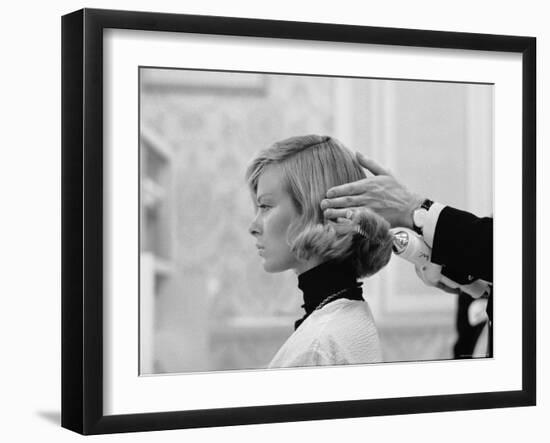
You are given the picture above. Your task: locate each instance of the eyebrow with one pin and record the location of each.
(267, 194)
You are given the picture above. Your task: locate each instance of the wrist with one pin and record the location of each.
(421, 216)
(416, 203)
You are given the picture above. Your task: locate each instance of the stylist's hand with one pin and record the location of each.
(381, 193)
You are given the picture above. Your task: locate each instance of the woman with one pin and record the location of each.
(288, 181)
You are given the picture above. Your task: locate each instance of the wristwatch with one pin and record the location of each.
(420, 215)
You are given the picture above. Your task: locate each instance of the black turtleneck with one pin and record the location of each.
(325, 280)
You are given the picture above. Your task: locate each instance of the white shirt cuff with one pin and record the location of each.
(428, 230)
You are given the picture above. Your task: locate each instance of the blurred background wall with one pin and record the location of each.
(205, 301)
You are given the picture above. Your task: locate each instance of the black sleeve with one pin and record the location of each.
(463, 245)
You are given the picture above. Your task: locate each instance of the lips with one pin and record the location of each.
(260, 249)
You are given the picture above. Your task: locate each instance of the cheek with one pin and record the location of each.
(281, 249)
(277, 224)
(278, 257)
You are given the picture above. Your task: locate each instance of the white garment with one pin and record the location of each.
(341, 333)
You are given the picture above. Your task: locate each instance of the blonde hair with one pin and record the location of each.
(311, 165)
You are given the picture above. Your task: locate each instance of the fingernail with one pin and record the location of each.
(324, 204)
(349, 214)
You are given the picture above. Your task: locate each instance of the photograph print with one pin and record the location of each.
(298, 221)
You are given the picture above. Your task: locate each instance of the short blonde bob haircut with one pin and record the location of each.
(311, 165)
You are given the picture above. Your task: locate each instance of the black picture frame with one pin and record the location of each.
(82, 220)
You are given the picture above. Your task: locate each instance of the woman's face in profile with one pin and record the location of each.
(275, 211)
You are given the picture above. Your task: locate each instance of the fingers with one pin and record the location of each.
(370, 165)
(341, 225)
(353, 188)
(336, 214)
(359, 186)
(343, 202)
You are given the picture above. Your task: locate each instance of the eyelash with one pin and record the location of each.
(263, 208)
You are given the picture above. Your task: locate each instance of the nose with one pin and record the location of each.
(255, 227)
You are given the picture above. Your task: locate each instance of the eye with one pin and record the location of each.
(264, 207)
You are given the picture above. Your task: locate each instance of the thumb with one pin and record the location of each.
(342, 225)
(370, 165)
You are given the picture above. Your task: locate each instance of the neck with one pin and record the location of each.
(306, 265)
(325, 278)
(320, 282)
